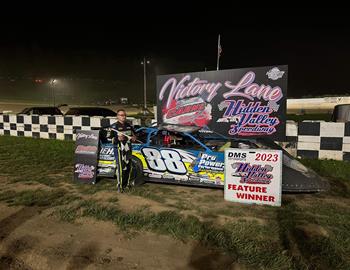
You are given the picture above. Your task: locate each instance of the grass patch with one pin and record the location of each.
(101, 185)
(38, 178)
(38, 197)
(337, 172)
(182, 205)
(113, 200)
(318, 251)
(330, 168)
(34, 158)
(164, 190)
(68, 214)
(209, 199)
(147, 192)
(251, 250)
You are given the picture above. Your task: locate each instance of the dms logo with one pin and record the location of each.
(237, 155)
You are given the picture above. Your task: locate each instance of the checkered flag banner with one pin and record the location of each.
(125, 152)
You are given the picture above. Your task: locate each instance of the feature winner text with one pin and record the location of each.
(247, 196)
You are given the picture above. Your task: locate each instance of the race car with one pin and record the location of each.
(186, 155)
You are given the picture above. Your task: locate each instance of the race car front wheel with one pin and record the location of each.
(137, 171)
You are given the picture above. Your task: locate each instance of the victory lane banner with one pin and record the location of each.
(236, 102)
(85, 156)
(253, 176)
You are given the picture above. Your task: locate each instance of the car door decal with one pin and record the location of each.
(164, 160)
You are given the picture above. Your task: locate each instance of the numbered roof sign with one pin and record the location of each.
(253, 176)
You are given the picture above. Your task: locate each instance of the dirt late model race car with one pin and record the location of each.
(183, 155)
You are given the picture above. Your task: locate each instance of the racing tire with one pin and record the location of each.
(137, 171)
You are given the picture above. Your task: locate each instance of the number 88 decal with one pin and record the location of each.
(164, 160)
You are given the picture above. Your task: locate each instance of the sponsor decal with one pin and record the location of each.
(154, 175)
(105, 170)
(274, 74)
(188, 112)
(249, 119)
(82, 149)
(194, 177)
(252, 174)
(107, 158)
(107, 151)
(104, 165)
(237, 155)
(205, 130)
(84, 171)
(168, 176)
(85, 136)
(218, 181)
(190, 108)
(206, 181)
(209, 162)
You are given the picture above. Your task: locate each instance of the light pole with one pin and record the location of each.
(53, 81)
(144, 63)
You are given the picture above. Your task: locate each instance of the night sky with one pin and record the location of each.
(110, 46)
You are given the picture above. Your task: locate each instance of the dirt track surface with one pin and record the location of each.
(35, 238)
(47, 221)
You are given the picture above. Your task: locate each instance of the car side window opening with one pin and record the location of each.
(170, 139)
(141, 135)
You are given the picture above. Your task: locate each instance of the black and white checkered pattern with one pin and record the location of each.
(319, 140)
(324, 140)
(51, 127)
(290, 144)
(125, 149)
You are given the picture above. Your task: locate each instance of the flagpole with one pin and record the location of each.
(218, 57)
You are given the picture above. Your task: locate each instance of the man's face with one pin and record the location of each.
(121, 116)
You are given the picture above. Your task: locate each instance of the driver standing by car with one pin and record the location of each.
(122, 136)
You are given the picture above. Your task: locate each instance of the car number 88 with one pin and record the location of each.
(164, 160)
